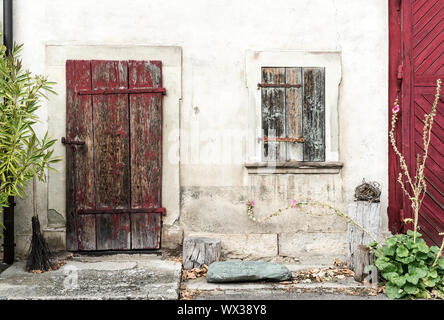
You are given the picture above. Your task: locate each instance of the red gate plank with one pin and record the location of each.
(80, 231)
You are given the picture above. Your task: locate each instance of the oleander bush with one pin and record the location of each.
(23, 154)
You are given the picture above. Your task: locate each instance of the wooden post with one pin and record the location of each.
(199, 251)
(362, 258)
(368, 215)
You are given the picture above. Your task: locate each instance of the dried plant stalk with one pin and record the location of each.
(415, 188)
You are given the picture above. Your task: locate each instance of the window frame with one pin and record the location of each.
(331, 61)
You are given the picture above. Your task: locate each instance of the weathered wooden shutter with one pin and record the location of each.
(293, 108)
(114, 140)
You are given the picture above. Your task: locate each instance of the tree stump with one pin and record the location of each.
(198, 251)
(368, 215)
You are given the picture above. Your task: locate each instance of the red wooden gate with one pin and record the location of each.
(113, 154)
(416, 62)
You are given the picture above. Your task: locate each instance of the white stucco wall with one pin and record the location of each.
(215, 37)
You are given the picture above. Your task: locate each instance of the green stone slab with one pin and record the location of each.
(243, 271)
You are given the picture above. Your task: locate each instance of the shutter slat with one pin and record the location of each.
(293, 113)
(313, 115)
(273, 113)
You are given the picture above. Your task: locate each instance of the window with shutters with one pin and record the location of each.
(293, 117)
(293, 113)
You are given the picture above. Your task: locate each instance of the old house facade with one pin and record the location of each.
(175, 113)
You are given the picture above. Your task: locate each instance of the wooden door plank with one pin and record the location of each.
(313, 115)
(293, 113)
(146, 135)
(111, 154)
(273, 113)
(146, 147)
(145, 74)
(145, 230)
(80, 230)
(113, 232)
(111, 136)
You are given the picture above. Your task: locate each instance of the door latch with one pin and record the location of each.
(399, 76)
(72, 142)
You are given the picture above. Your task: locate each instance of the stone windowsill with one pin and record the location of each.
(302, 167)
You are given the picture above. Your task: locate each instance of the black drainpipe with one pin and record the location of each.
(8, 213)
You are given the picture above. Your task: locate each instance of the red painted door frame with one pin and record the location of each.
(395, 205)
(414, 65)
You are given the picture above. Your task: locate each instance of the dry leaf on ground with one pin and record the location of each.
(58, 264)
(175, 259)
(195, 273)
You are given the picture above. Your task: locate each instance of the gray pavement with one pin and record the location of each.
(96, 278)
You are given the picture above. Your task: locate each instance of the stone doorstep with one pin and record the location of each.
(202, 284)
(347, 287)
(254, 290)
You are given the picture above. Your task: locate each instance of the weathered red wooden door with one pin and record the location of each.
(416, 62)
(113, 153)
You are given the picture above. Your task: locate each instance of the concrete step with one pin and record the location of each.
(301, 287)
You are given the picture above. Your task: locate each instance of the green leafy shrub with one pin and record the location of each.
(411, 268)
